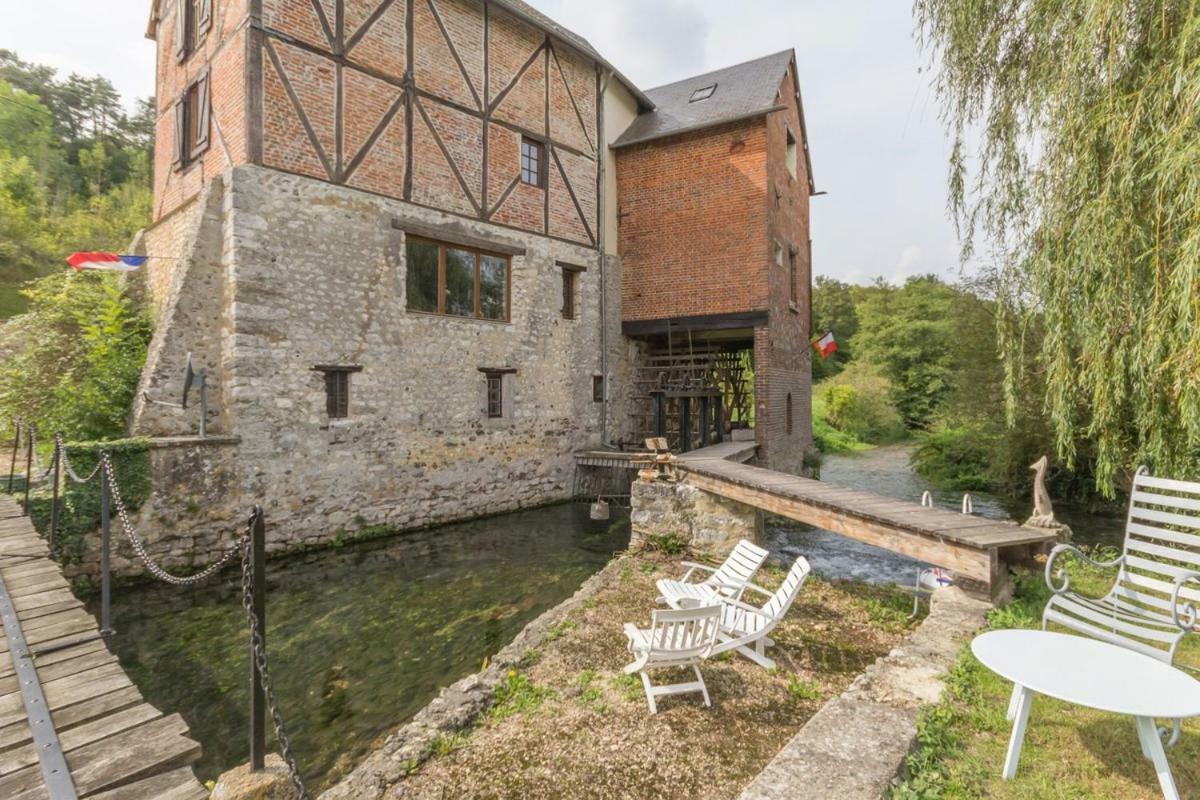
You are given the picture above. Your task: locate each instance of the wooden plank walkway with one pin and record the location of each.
(977, 549)
(117, 746)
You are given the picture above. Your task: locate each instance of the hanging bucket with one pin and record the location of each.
(600, 510)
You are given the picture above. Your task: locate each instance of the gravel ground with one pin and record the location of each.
(568, 724)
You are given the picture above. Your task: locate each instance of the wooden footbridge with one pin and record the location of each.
(72, 724)
(977, 549)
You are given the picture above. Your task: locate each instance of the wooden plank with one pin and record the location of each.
(127, 757)
(108, 703)
(68, 691)
(179, 784)
(17, 758)
(972, 563)
(62, 669)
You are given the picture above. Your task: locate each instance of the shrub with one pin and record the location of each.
(957, 458)
(72, 363)
(856, 402)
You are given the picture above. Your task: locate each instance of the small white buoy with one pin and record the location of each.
(600, 510)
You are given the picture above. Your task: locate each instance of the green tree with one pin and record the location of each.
(1083, 178)
(908, 334)
(833, 310)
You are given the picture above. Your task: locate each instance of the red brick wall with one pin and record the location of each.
(694, 228)
(522, 88)
(783, 356)
(223, 53)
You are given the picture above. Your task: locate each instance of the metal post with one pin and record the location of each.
(105, 568)
(705, 419)
(28, 466)
(258, 699)
(203, 404)
(56, 468)
(660, 413)
(685, 424)
(12, 470)
(720, 419)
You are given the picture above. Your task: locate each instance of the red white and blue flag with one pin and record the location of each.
(108, 262)
(826, 345)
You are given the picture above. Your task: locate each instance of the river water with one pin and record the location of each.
(363, 637)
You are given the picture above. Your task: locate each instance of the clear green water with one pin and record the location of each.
(360, 638)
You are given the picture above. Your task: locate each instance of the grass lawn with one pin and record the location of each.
(1070, 752)
(569, 724)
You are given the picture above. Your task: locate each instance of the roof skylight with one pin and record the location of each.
(703, 93)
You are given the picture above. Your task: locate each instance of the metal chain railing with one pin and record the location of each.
(66, 462)
(139, 547)
(258, 645)
(243, 548)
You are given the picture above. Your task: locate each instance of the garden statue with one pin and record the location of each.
(1043, 509)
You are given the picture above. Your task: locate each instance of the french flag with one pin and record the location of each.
(108, 262)
(826, 345)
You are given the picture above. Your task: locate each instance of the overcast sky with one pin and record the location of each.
(877, 145)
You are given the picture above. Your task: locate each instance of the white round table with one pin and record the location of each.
(1089, 673)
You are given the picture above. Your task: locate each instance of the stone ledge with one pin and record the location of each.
(856, 745)
(172, 442)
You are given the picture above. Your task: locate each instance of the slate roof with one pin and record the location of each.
(743, 90)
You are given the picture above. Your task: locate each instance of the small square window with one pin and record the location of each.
(533, 162)
(337, 390)
(702, 93)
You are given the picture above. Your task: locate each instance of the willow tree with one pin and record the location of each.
(1075, 177)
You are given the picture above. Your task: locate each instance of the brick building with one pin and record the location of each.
(425, 250)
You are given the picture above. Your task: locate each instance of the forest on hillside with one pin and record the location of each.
(74, 175)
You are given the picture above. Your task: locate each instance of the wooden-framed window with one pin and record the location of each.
(597, 388)
(495, 396)
(533, 162)
(194, 19)
(193, 120)
(457, 281)
(568, 293)
(496, 378)
(337, 389)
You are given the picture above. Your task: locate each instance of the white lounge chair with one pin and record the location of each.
(675, 638)
(1149, 608)
(746, 629)
(727, 580)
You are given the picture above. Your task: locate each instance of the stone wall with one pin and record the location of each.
(285, 273)
(702, 521)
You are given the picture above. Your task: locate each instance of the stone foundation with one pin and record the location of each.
(702, 521)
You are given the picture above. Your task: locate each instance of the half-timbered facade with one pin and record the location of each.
(390, 232)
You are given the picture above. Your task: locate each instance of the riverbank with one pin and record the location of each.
(566, 722)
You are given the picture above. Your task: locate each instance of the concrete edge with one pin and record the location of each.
(857, 744)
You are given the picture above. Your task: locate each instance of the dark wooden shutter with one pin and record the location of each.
(204, 18)
(181, 29)
(180, 132)
(203, 113)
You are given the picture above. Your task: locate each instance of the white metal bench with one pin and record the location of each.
(1149, 608)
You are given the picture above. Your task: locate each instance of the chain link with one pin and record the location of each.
(62, 448)
(139, 547)
(260, 659)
